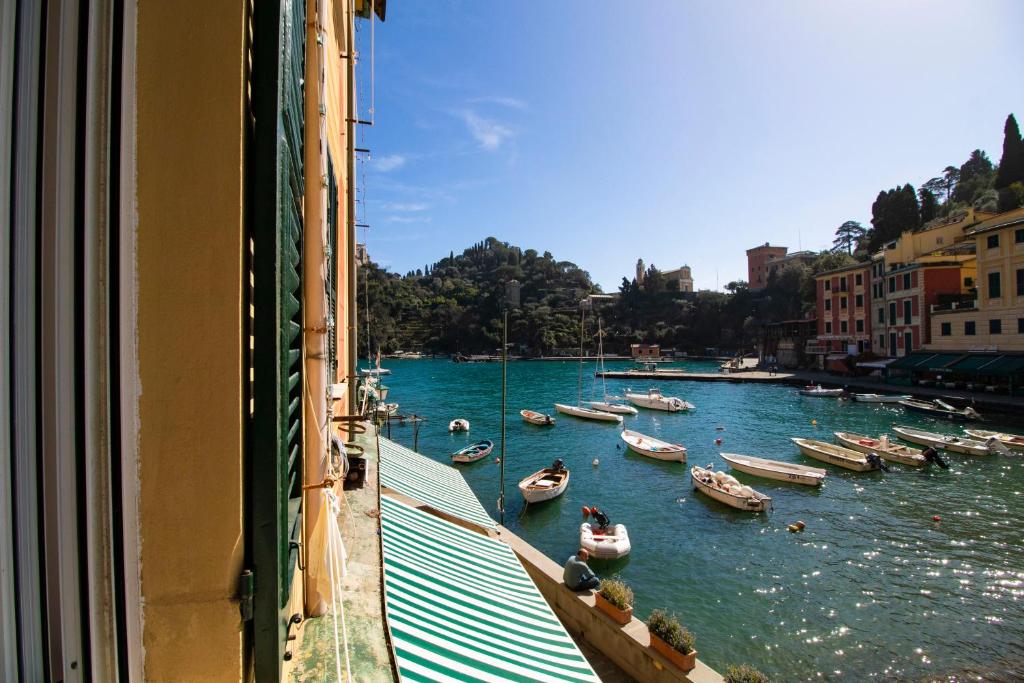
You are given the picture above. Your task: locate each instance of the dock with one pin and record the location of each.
(749, 376)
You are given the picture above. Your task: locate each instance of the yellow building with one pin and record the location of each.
(181, 308)
(993, 320)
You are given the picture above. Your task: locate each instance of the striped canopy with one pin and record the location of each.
(460, 607)
(431, 483)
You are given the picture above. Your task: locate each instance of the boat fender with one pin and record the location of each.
(719, 476)
(800, 525)
(793, 528)
(814, 422)
(596, 462)
(718, 441)
(936, 518)
(497, 461)
(747, 492)
(586, 512)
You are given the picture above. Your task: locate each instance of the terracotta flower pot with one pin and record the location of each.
(684, 662)
(619, 616)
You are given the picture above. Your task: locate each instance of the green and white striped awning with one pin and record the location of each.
(460, 607)
(431, 483)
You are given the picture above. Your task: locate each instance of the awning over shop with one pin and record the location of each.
(1004, 365)
(879, 364)
(460, 607)
(975, 363)
(431, 483)
(925, 361)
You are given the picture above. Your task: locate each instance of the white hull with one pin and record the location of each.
(954, 444)
(374, 372)
(1014, 442)
(821, 393)
(474, 452)
(610, 546)
(616, 408)
(655, 401)
(835, 455)
(535, 418)
(893, 452)
(653, 448)
(775, 469)
(387, 409)
(544, 485)
(587, 413)
(702, 481)
(879, 398)
(458, 425)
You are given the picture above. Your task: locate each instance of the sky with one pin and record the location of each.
(677, 132)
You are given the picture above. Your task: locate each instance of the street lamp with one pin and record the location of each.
(510, 301)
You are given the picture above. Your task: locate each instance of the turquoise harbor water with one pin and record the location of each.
(873, 589)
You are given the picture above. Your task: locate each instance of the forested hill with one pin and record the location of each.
(454, 306)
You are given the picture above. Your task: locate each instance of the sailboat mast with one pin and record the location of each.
(366, 295)
(600, 358)
(579, 382)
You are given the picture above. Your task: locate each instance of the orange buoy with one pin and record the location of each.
(718, 442)
(586, 512)
(936, 518)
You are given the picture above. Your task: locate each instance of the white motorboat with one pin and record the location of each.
(775, 469)
(386, 409)
(888, 450)
(939, 408)
(459, 424)
(374, 372)
(653, 448)
(535, 418)
(837, 455)
(821, 392)
(545, 484)
(587, 413)
(617, 408)
(1015, 442)
(726, 489)
(954, 444)
(473, 452)
(655, 400)
(880, 398)
(610, 544)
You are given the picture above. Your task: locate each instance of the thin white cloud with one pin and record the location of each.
(490, 134)
(407, 219)
(404, 207)
(511, 102)
(390, 162)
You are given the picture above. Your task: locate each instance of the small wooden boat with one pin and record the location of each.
(954, 444)
(587, 413)
(941, 409)
(725, 489)
(880, 398)
(1014, 442)
(459, 424)
(617, 408)
(545, 484)
(535, 418)
(775, 469)
(473, 452)
(605, 545)
(653, 448)
(654, 400)
(821, 392)
(888, 450)
(835, 455)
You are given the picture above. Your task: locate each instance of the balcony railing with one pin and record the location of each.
(949, 306)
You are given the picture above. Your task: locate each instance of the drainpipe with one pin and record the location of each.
(315, 311)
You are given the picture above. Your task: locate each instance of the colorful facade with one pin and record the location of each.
(844, 305)
(759, 262)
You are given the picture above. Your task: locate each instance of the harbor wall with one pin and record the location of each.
(628, 647)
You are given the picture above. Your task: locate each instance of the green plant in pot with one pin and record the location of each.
(744, 673)
(615, 598)
(672, 640)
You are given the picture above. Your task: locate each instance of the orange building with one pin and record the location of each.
(759, 260)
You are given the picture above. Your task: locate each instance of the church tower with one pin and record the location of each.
(640, 272)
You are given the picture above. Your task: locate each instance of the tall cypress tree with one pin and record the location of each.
(1011, 166)
(929, 204)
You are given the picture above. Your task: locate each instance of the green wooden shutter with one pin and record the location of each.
(277, 187)
(332, 266)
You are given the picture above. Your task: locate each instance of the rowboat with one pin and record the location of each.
(459, 424)
(725, 489)
(545, 484)
(835, 455)
(617, 408)
(880, 398)
(774, 469)
(888, 450)
(820, 392)
(533, 417)
(473, 452)
(1014, 442)
(605, 545)
(653, 448)
(941, 409)
(951, 443)
(654, 400)
(587, 413)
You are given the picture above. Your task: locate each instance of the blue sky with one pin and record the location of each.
(677, 132)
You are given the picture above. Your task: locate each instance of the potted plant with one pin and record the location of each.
(744, 673)
(615, 599)
(672, 640)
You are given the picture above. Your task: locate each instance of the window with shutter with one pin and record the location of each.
(332, 267)
(276, 183)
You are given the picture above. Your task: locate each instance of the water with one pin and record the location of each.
(872, 589)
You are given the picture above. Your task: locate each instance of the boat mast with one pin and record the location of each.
(579, 382)
(600, 358)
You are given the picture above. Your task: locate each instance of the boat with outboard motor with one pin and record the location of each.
(473, 452)
(653, 448)
(587, 413)
(655, 400)
(545, 484)
(1015, 442)
(726, 489)
(602, 539)
(881, 398)
(888, 450)
(952, 443)
(459, 424)
(535, 418)
(939, 408)
(776, 469)
(837, 455)
(821, 392)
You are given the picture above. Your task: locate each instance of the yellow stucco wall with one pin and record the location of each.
(190, 87)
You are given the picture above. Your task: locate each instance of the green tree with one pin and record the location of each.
(929, 204)
(1011, 165)
(1011, 197)
(848, 235)
(893, 212)
(976, 177)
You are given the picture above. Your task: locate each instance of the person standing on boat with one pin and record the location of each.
(577, 575)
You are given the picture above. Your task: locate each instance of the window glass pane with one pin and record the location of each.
(947, 329)
(969, 328)
(993, 241)
(994, 290)
(995, 326)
